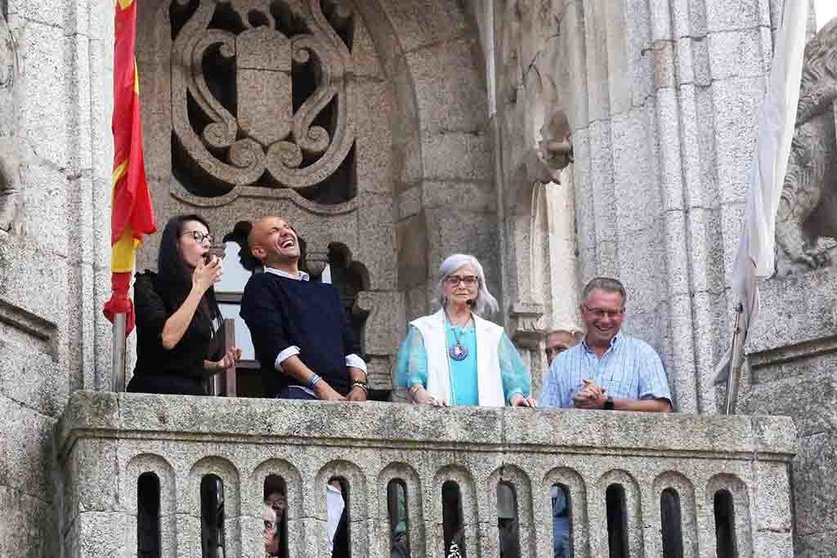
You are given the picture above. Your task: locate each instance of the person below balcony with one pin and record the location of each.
(454, 356)
(179, 342)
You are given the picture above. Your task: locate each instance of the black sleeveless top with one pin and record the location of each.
(181, 369)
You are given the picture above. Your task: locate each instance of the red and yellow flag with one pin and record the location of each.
(132, 216)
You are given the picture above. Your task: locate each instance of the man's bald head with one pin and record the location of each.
(272, 240)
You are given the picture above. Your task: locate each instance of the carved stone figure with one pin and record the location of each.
(259, 91)
(806, 223)
(10, 203)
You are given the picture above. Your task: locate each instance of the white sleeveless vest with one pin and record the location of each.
(489, 381)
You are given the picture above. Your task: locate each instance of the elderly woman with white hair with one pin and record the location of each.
(454, 356)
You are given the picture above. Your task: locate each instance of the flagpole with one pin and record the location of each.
(118, 357)
(736, 362)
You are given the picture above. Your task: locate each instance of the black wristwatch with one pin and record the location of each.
(608, 404)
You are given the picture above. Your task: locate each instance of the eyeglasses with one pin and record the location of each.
(199, 236)
(455, 280)
(602, 312)
(554, 350)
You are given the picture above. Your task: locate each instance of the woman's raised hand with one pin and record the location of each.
(230, 358)
(207, 274)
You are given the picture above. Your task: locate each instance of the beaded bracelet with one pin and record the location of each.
(361, 385)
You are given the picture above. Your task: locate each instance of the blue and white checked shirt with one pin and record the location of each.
(630, 369)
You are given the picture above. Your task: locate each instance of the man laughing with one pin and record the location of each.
(302, 336)
(608, 369)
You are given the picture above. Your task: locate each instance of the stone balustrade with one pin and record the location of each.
(106, 441)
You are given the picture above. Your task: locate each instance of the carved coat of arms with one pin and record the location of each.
(259, 90)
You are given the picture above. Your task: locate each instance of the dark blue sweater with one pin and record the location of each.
(281, 312)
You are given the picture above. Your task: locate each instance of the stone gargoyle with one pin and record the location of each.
(806, 221)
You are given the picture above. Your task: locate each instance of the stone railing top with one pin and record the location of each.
(106, 415)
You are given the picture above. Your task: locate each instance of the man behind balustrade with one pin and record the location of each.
(301, 334)
(559, 340)
(608, 369)
(274, 509)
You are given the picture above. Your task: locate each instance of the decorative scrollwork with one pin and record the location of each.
(259, 92)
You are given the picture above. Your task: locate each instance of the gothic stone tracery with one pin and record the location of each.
(259, 92)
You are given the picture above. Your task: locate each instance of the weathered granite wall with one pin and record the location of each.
(107, 441)
(661, 99)
(54, 189)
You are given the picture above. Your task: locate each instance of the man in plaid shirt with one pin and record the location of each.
(608, 369)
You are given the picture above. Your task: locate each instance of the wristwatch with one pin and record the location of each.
(608, 404)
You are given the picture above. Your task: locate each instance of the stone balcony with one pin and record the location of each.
(106, 441)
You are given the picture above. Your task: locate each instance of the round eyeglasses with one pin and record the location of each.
(455, 280)
(199, 236)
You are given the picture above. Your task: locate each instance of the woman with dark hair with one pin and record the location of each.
(178, 320)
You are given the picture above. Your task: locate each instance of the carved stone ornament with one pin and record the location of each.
(259, 90)
(10, 199)
(806, 221)
(528, 328)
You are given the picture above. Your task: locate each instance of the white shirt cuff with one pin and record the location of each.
(293, 350)
(355, 361)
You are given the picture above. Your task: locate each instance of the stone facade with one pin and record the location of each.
(554, 139)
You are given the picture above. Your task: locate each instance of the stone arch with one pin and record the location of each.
(190, 501)
(741, 501)
(415, 497)
(598, 514)
(433, 516)
(522, 486)
(688, 510)
(159, 466)
(424, 170)
(294, 512)
(358, 500)
(578, 494)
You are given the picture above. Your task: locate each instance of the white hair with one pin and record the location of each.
(484, 303)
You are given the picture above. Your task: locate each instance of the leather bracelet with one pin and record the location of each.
(313, 381)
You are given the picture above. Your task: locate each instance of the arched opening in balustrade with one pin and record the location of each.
(508, 524)
(671, 524)
(337, 507)
(725, 525)
(617, 521)
(453, 525)
(562, 521)
(148, 516)
(399, 521)
(276, 505)
(212, 517)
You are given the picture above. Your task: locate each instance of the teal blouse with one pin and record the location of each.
(411, 366)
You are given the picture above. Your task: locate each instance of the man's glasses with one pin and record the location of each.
(602, 312)
(199, 236)
(455, 280)
(554, 350)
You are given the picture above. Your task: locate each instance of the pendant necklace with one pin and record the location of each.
(459, 351)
